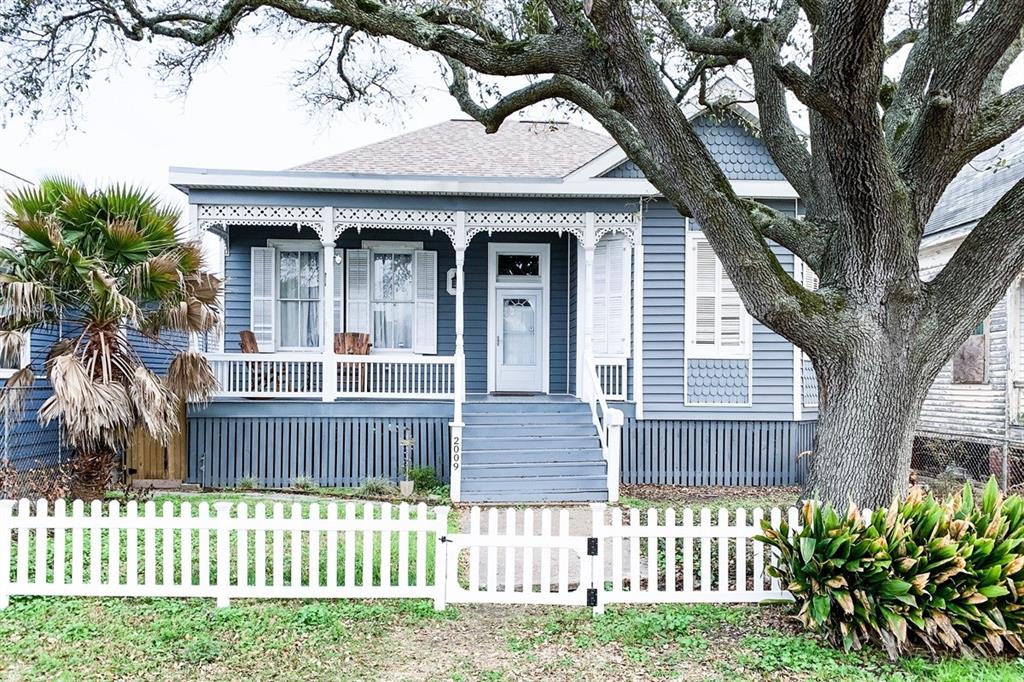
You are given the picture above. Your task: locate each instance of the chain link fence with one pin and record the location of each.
(944, 464)
(33, 462)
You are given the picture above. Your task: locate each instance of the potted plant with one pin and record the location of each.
(406, 486)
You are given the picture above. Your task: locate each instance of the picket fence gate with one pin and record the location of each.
(231, 550)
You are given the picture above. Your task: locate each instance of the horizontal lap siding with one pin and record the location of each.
(664, 330)
(332, 451)
(719, 453)
(971, 410)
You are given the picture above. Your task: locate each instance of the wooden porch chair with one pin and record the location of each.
(248, 344)
(352, 375)
(265, 379)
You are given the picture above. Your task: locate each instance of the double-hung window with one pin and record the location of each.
(287, 295)
(392, 298)
(392, 295)
(717, 325)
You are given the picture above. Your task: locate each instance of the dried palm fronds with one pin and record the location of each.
(189, 376)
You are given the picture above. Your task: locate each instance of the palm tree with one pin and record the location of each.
(109, 271)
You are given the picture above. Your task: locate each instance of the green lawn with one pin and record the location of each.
(179, 639)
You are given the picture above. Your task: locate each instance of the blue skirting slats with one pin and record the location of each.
(331, 451)
(715, 453)
(274, 444)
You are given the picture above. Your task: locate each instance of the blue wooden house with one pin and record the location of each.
(543, 325)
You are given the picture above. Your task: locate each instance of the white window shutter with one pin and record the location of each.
(706, 282)
(599, 331)
(425, 320)
(611, 292)
(730, 315)
(339, 292)
(618, 291)
(810, 278)
(262, 315)
(357, 281)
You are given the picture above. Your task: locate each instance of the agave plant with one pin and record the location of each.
(943, 574)
(105, 272)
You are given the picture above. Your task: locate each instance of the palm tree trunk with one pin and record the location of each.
(91, 473)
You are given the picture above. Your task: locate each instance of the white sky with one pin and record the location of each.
(241, 113)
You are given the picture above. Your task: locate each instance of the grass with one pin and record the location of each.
(406, 639)
(177, 639)
(714, 642)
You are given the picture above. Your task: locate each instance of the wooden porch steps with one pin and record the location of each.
(531, 450)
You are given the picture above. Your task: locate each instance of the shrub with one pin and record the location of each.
(246, 483)
(945, 575)
(378, 487)
(425, 479)
(303, 483)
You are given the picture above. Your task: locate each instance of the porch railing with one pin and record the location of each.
(611, 377)
(420, 378)
(271, 375)
(307, 375)
(608, 421)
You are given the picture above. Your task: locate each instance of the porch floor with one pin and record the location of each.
(520, 398)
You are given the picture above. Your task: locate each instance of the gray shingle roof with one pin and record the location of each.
(978, 187)
(462, 148)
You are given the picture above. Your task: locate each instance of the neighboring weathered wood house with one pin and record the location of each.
(976, 397)
(524, 293)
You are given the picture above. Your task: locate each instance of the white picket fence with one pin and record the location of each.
(510, 556)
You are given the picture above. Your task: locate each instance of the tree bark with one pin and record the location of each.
(869, 403)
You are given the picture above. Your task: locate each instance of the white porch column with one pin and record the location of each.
(455, 469)
(329, 365)
(587, 295)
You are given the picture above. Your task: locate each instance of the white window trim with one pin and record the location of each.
(381, 246)
(493, 285)
(309, 245)
(703, 351)
(26, 358)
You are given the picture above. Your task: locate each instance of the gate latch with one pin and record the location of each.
(592, 546)
(592, 597)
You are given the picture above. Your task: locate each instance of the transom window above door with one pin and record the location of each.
(518, 266)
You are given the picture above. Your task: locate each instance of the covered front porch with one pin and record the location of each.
(457, 305)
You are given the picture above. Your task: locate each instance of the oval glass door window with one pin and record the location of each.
(519, 330)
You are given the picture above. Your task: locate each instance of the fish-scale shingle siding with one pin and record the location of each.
(736, 148)
(710, 382)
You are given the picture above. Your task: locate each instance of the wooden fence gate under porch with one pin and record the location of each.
(367, 550)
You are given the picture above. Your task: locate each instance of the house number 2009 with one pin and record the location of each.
(456, 451)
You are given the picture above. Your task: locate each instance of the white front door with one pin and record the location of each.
(520, 331)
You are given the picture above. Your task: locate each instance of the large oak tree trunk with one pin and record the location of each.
(868, 410)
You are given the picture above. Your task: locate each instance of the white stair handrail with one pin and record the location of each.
(608, 420)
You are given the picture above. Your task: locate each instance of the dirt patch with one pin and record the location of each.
(503, 643)
(714, 496)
